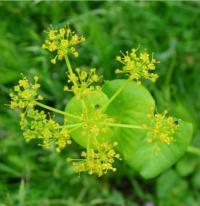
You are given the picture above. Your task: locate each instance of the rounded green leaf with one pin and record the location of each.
(132, 106)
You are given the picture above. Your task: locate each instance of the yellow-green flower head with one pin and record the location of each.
(35, 125)
(95, 122)
(137, 66)
(62, 41)
(161, 129)
(25, 94)
(82, 82)
(98, 160)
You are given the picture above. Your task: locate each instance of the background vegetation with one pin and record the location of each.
(29, 175)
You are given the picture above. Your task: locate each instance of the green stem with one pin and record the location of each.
(56, 110)
(115, 95)
(193, 150)
(68, 64)
(125, 126)
(73, 125)
(75, 128)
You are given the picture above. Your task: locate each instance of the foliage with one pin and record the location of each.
(170, 29)
(95, 118)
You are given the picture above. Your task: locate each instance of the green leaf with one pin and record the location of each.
(22, 192)
(132, 106)
(116, 198)
(76, 107)
(9, 75)
(171, 184)
(182, 166)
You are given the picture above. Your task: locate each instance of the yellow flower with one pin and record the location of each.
(137, 66)
(35, 125)
(25, 94)
(82, 82)
(162, 129)
(63, 42)
(52, 34)
(95, 122)
(97, 160)
(62, 31)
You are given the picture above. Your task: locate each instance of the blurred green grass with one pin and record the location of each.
(32, 176)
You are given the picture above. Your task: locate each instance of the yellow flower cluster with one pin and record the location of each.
(137, 66)
(82, 82)
(95, 122)
(63, 42)
(162, 129)
(35, 125)
(25, 94)
(98, 160)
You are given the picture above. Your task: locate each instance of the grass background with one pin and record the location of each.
(30, 176)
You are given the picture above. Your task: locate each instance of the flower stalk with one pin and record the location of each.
(126, 126)
(56, 110)
(193, 150)
(68, 64)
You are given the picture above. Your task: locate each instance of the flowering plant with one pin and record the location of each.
(113, 121)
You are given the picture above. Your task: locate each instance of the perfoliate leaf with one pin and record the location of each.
(132, 107)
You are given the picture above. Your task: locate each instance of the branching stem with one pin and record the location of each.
(75, 128)
(56, 110)
(193, 150)
(125, 126)
(68, 64)
(73, 125)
